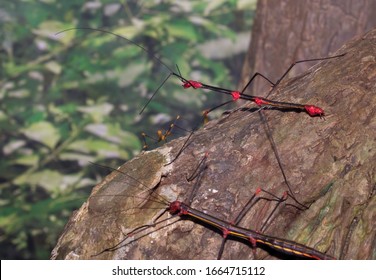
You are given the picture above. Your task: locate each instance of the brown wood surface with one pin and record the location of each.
(329, 162)
(288, 30)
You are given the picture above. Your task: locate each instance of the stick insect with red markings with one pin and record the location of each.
(125, 188)
(227, 229)
(312, 110)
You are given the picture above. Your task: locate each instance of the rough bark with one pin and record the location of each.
(289, 30)
(329, 162)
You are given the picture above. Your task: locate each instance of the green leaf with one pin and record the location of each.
(82, 159)
(30, 160)
(43, 132)
(49, 179)
(49, 28)
(182, 29)
(54, 67)
(36, 117)
(113, 133)
(129, 31)
(19, 93)
(213, 4)
(98, 111)
(13, 146)
(3, 116)
(103, 149)
(130, 73)
(246, 4)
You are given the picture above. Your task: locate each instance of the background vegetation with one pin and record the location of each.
(70, 99)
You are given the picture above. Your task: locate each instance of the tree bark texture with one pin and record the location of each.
(330, 164)
(289, 30)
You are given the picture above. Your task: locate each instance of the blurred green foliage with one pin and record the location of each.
(70, 99)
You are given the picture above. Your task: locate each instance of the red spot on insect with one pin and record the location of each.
(314, 111)
(259, 101)
(193, 84)
(225, 232)
(258, 191)
(175, 207)
(253, 241)
(235, 95)
(284, 197)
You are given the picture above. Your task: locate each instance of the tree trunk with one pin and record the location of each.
(329, 162)
(289, 30)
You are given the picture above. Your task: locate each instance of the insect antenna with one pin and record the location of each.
(155, 197)
(136, 231)
(144, 49)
